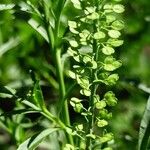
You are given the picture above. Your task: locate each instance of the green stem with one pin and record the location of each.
(52, 118)
(63, 104)
(55, 45)
(93, 93)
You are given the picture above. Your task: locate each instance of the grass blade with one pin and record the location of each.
(144, 133)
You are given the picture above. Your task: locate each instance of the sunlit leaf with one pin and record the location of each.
(37, 27)
(7, 92)
(12, 43)
(6, 6)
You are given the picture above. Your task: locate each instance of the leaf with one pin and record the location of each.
(39, 28)
(144, 133)
(38, 95)
(144, 88)
(13, 42)
(19, 111)
(7, 92)
(30, 105)
(33, 142)
(6, 6)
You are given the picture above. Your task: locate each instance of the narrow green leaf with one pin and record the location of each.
(144, 134)
(38, 96)
(7, 92)
(6, 6)
(13, 42)
(19, 111)
(37, 27)
(33, 142)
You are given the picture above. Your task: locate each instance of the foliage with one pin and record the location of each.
(41, 47)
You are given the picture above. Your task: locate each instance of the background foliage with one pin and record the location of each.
(22, 49)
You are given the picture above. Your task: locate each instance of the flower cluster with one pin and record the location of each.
(95, 34)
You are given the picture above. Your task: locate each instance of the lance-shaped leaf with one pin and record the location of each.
(7, 92)
(38, 95)
(6, 6)
(33, 142)
(13, 42)
(144, 134)
(19, 111)
(39, 28)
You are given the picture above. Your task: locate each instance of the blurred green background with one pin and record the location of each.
(23, 49)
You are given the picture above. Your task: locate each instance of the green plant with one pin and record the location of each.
(94, 35)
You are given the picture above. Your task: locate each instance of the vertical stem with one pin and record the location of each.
(55, 44)
(62, 103)
(93, 93)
